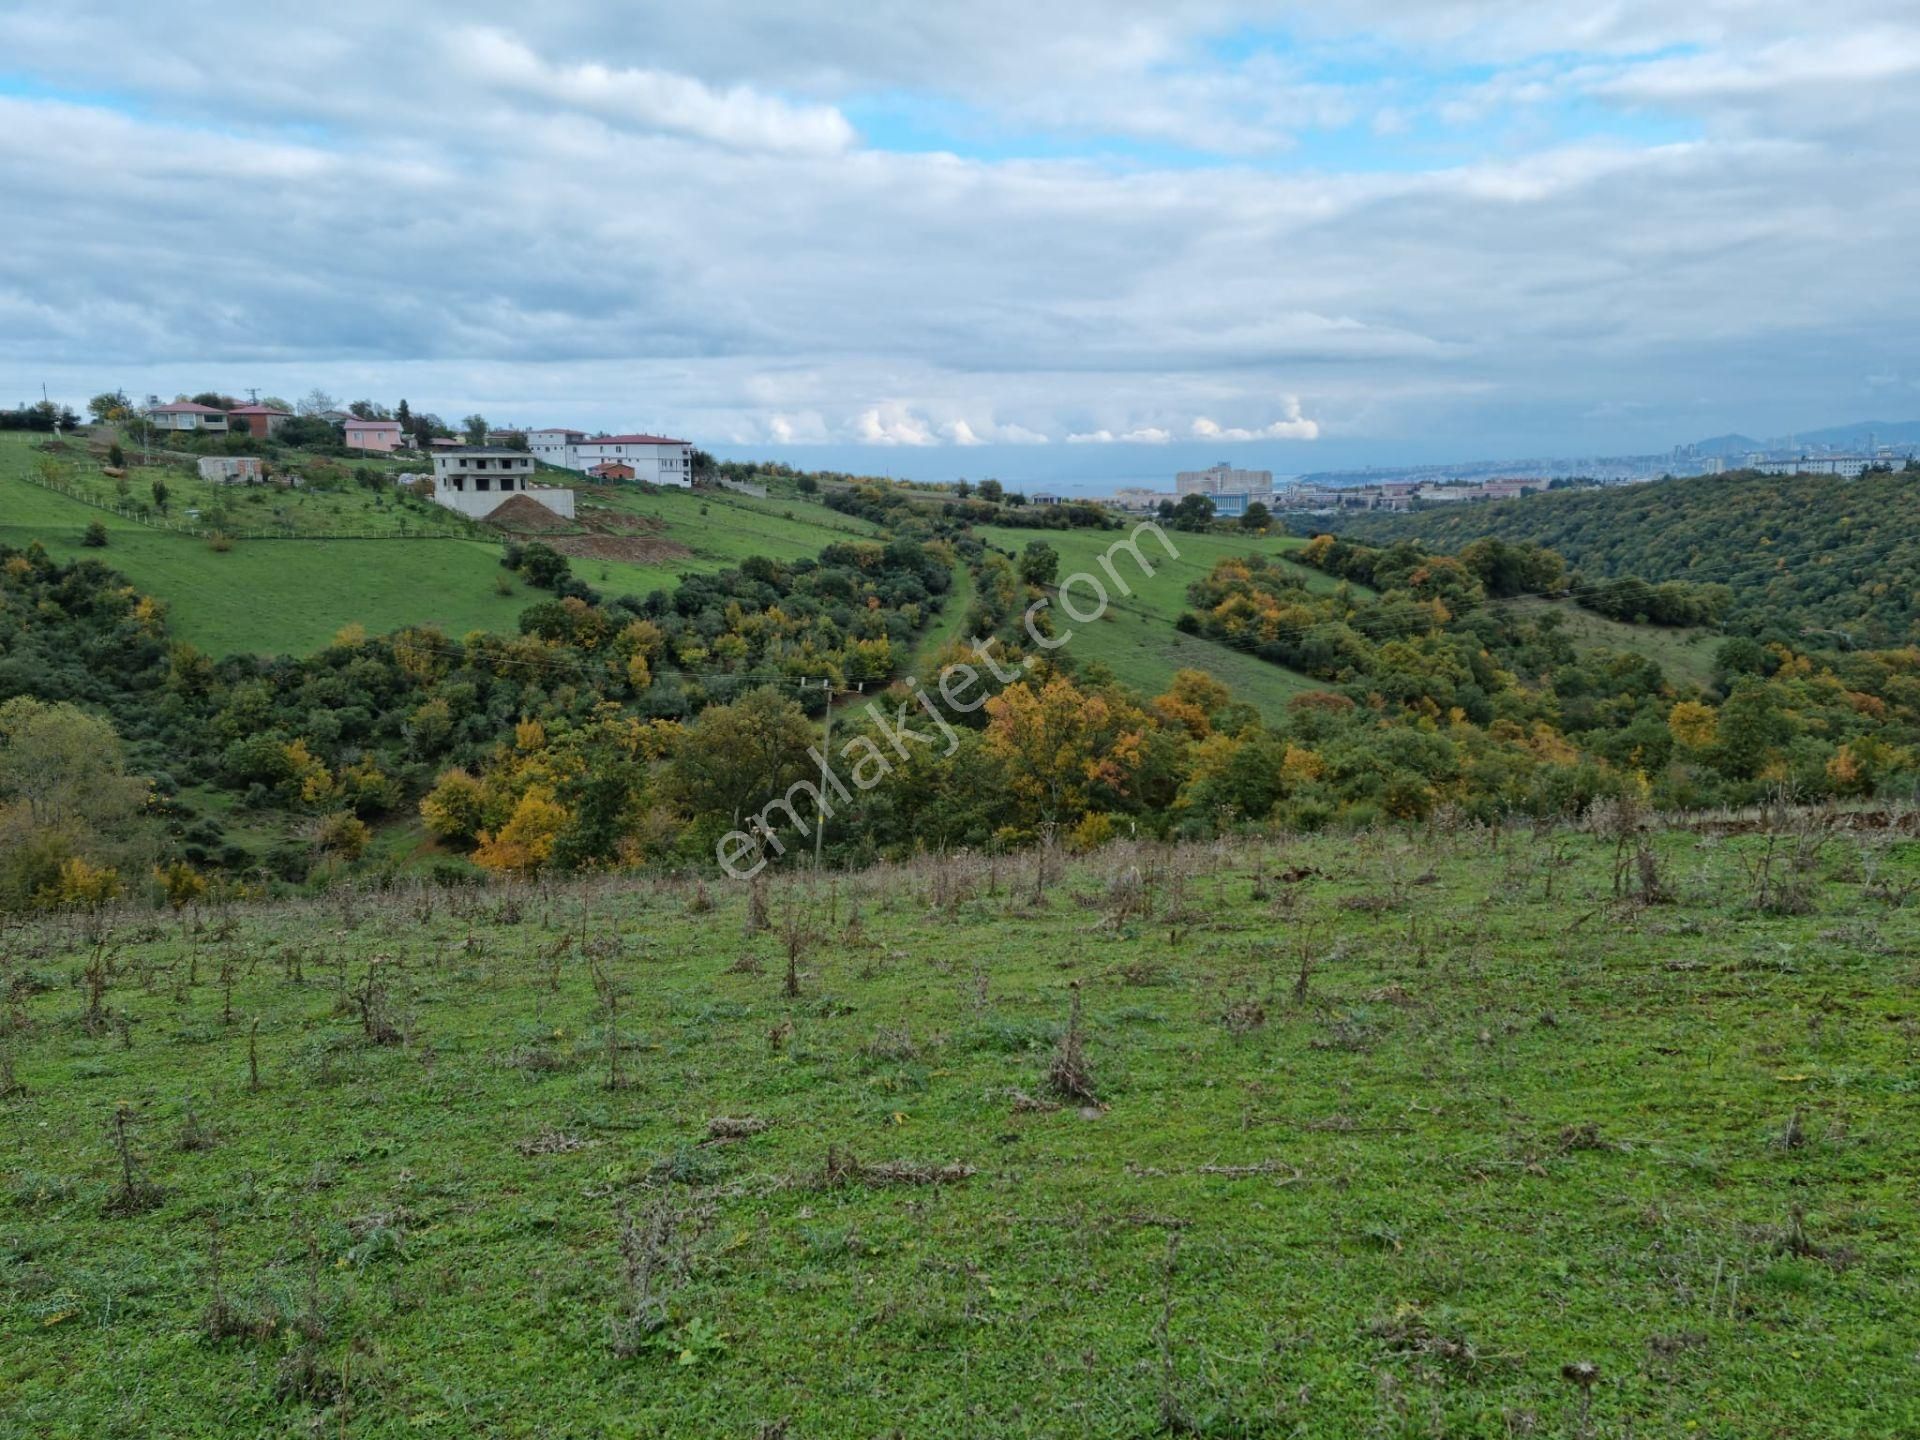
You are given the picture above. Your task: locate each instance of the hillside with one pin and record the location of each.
(1801, 554)
(1364, 1128)
(1136, 639)
(291, 596)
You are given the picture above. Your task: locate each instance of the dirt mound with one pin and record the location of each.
(524, 515)
(633, 549)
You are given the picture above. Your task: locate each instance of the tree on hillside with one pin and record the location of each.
(367, 410)
(734, 758)
(475, 427)
(318, 402)
(991, 491)
(110, 407)
(405, 416)
(160, 494)
(1256, 516)
(1193, 512)
(64, 791)
(1039, 563)
(214, 400)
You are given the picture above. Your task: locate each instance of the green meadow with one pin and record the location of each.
(1389, 1134)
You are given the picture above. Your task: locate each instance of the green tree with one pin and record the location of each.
(1039, 563)
(991, 491)
(64, 791)
(475, 427)
(734, 758)
(95, 537)
(110, 407)
(160, 494)
(1256, 516)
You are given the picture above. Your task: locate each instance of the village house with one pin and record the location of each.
(259, 421)
(185, 415)
(478, 479)
(379, 436)
(611, 470)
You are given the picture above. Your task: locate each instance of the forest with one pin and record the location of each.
(1805, 560)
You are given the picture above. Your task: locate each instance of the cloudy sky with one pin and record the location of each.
(1092, 240)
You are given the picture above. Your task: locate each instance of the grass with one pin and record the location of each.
(1135, 638)
(1685, 656)
(1514, 1124)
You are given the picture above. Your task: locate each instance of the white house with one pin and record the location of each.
(656, 459)
(554, 446)
(478, 480)
(185, 415)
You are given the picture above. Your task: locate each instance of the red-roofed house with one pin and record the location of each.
(612, 470)
(259, 421)
(382, 436)
(185, 415)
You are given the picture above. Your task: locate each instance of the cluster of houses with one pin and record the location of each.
(380, 437)
(472, 479)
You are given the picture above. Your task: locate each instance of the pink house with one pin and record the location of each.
(380, 435)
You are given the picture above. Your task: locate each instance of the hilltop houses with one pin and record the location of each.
(476, 480)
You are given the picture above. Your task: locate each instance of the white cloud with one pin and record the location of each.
(892, 425)
(1146, 435)
(657, 99)
(1291, 426)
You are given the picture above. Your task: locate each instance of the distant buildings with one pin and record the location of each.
(1403, 494)
(1224, 479)
(477, 480)
(1847, 467)
(610, 471)
(1043, 497)
(185, 415)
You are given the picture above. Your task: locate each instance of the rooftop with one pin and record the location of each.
(185, 407)
(631, 440)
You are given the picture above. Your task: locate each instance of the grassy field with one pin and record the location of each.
(1363, 1136)
(352, 509)
(1684, 656)
(1135, 638)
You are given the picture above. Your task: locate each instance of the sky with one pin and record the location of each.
(1093, 242)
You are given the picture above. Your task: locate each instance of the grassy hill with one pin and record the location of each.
(1136, 639)
(1684, 655)
(293, 595)
(1801, 553)
(1505, 1124)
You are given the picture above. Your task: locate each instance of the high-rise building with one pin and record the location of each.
(1223, 479)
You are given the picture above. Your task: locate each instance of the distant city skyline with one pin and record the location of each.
(1100, 240)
